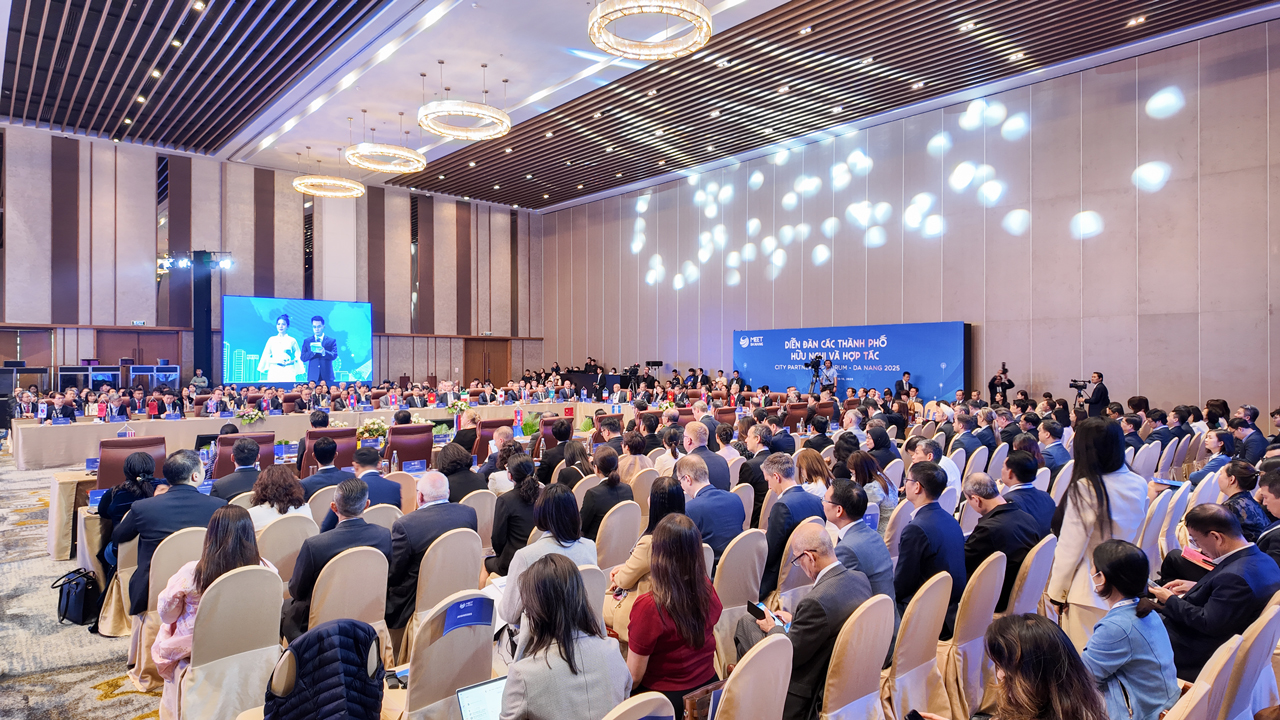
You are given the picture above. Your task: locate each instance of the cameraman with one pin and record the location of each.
(1096, 397)
(1000, 383)
(827, 378)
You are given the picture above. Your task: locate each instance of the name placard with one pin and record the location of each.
(275, 412)
(414, 467)
(62, 421)
(91, 464)
(171, 416)
(366, 408)
(226, 414)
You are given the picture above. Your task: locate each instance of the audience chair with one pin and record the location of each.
(1041, 482)
(114, 619)
(555, 475)
(1061, 482)
(585, 484)
(735, 470)
(244, 500)
(958, 457)
(224, 463)
(410, 443)
(1149, 535)
(346, 650)
(796, 413)
(484, 433)
(892, 430)
(286, 403)
(898, 520)
(930, 429)
(619, 531)
(1203, 701)
(685, 415)
(747, 495)
(346, 439)
(1032, 579)
(966, 671)
(724, 414)
(912, 681)
(1252, 684)
(737, 584)
(853, 678)
(596, 582)
(1176, 471)
(977, 463)
(1128, 456)
(769, 499)
(1206, 492)
(894, 472)
(708, 558)
(642, 484)
(483, 502)
(353, 586)
(408, 489)
(1144, 463)
(940, 438)
(996, 463)
(950, 498)
(793, 584)
(281, 541)
(645, 706)
(450, 566)
(376, 398)
(1192, 454)
(442, 662)
(828, 454)
(319, 503)
(112, 453)
(758, 686)
(235, 645)
(967, 517)
(596, 437)
(171, 554)
(916, 430)
(1164, 468)
(383, 514)
(545, 423)
(1169, 530)
(656, 453)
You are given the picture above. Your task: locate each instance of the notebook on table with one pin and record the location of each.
(482, 701)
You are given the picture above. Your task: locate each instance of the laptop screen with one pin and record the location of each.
(482, 701)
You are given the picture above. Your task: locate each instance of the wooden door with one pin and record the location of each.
(487, 360)
(116, 344)
(156, 345)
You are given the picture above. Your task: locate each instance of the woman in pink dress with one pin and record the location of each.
(229, 543)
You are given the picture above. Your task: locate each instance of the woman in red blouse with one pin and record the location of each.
(670, 633)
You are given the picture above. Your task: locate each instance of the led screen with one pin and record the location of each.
(283, 341)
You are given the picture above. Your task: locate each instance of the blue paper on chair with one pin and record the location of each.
(91, 464)
(464, 613)
(95, 496)
(414, 467)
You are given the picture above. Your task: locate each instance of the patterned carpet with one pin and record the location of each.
(48, 670)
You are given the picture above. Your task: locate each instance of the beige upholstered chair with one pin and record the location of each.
(641, 485)
(1165, 466)
(585, 484)
(1205, 492)
(769, 499)
(235, 644)
(965, 669)
(737, 583)
(977, 463)
(281, 540)
(958, 457)
(793, 584)
(1144, 462)
(408, 489)
(1032, 578)
(555, 474)
(747, 495)
(967, 517)
(912, 681)
(655, 453)
(451, 565)
(596, 582)
(1062, 481)
(1041, 482)
(618, 533)
(1169, 529)
(708, 558)
(893, 473)
(1204, 700)
(758, 686)
(646, 706)
(353, 586)
(483, 502)
(244, 500)
(171, 554)
(898, 520)
(1252, 683)
(853, 678)
(442, 662)
(950, 498)
(114, 620)
(1149, 536)
(319, 503)
(996, 463)
(383, 515)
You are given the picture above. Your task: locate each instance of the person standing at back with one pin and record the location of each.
(792, 507)
(930, 544)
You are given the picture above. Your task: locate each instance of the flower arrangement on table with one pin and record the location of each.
(372, 428)
(337, 423)
(457, 407)
(440, 429)
(666, 405)
(249, 415)
(419, 420)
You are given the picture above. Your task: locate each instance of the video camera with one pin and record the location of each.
(815, 364)
(1078, 385)
(632, 371)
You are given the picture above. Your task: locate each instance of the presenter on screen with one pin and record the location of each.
(280, 358)
(319, 353)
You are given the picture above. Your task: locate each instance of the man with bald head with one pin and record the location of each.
(412, 535)
(837, 592)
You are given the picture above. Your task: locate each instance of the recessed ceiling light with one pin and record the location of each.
(651, 93)
(608, 149)
(1017, 56)
(528, 177)
(141, 99)
(868, 60)
(155, 73)
(662, 162)
(549, 134)
(917, 86)
(597, 115)
(472, 163)
(768, 130)
(466, 197)
(515, 206)
(197, 6)
(508, 150)
(711, 148)
(115, 139)
(618, 175)
(657, 132)
(714, 113)
(441, 177)
(127, 121)
(837, 108)
(1137, 21)
(497, 187)
(968, 26)
(544, 197)
(579, 187)
(784, 88)
(722, 64)
(806, 31)
(568, 162)
(176, 43)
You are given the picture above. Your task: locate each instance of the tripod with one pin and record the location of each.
(814, 382)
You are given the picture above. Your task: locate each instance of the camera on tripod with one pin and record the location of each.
(815, 364)
(632, 371)
(1078, 385)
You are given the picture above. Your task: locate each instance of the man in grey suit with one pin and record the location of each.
(703, 415)
(695, 443)
(859, 547)
(837, 592)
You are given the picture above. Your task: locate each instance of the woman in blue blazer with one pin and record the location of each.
(1129, 653)
(1222, 445)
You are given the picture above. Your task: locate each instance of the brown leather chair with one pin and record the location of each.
(850, 403)
(286, 403)
(544, 431)
(252, 399)
(199, 400)
(474, 393)
(224, 463)
(828, 408)
(640, 418)
(796, 413)
(484, 433)
(720, 395)
(596, 437)
(725, 415)
(112, 453)
(694, 395)
(410, 442)
(377, 396)
(346, 439)
(686, 415)
(777, 398)
(773, 410)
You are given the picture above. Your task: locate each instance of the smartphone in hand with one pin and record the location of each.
(913, 715)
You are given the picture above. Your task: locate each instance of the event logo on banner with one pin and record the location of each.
(870, 356)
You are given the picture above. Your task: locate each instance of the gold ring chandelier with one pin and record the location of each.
(497, 122)
(610, 11)
(384, 158)
(327, 186)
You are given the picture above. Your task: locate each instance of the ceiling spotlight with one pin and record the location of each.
(784, 88)
(528, 177)
(662, 162)
(155, 73)
(806, 31)
(608, 149)
(867, 61)
(1137, 21)
(597, 115)
(657, 132)
(472, 163)
(127, 121)
(968, 26)
(197, 6)
(508, 150)
(714, 113)
(544, 197)
(722, 64)
(549, 134)
(651, 93)
(711, 148)
(579, 187)
(1017, 56)
(568, 162)
(441, 177)
(141, 99)
(515, 206)
(115, 139)
(837, 108)
(917, 86)
(497, 187)
(618, 175)
(176, 43)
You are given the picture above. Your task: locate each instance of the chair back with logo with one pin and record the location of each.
(281, 540)
(112, 452)
(619, 531)
(484, 433)
(346, 439)
(1032, 577)
(410, 442)
(451, 565)
(758, 686)
(225, 464)
(484, 502)
(853, 678)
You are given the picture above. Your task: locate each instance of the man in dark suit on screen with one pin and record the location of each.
(319, 352)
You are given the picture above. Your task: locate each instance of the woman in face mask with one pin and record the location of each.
(1129, 652)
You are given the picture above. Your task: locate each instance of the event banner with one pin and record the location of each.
(870, 356)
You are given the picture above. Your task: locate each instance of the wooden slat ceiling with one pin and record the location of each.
(862, 56)
(80, 65)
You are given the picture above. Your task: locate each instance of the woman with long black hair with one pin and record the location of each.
(513, 514)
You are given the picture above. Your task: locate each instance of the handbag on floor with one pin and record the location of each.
(77, 597)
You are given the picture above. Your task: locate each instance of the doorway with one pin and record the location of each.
(487, 360)
(143, 348)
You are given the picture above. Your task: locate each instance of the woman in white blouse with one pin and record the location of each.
(281, 359)
(276, 493)
(1105, 500)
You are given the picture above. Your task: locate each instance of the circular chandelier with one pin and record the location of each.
(609, 11)
(429, 119)
(384, 158)
(329, 186)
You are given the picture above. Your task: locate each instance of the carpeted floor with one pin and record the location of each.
(47, 669)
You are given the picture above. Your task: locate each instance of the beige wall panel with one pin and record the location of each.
(399, 357)
(612, 310)
(550, 279)
(85, 250)
(421, 359)
(1273, 200)
(787, 278)
(455, 358)
(1055, 198)
(1233, 245)
(188, 340)
(27, 271)
(538, 300)
(708, 302)
(206, 223)
(398, 240)
(630, 261)
(102, 208)
(1168, 361)
(1233, 357)
(884, 281)
(1008, 255)
(1233, 100)
(667, 204)
(520, 323)
(1007, 341)
(237, 227)
(848, 251)
(921, 251)
(360, 289)
(533, 353)
(1055, 357)
(1109, 153)
(288, 226)
(589, 305)
(446, 265)
(499, 271)
(763, 196)
(732, 307)
(482, 268)
(1110, 346)
(135, 235)
(964, 261)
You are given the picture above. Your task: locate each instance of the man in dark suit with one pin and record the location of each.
(412, 535)
(793, 507)
(1096, 398)
(170, 404)
(1000, 383)
(319, 419)
(964, 438)
(757, 442)
(902, 387)
(381, 490)
(153, 519)
(562, 431)
(326, 475)
(695, 444)
(1160, 431)
(820, 441)
(137, 404)
(1003, 527)
(1055, 453)
(1129, 424)
(241, 480)
(702, 414)
(270, 401)
(931, 543)
(305, 403)
(1018, 476)
(986, 432)
(611, 431)
(782, 441)
(1202, 615)
(26, 408)
(1269, 498)
(319, 352)
(60, 409)
(651, 440)
(1008, 427)
(1251, 445)
(1178, 418)
(837, 592)
(349, 503)
(717, 513)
